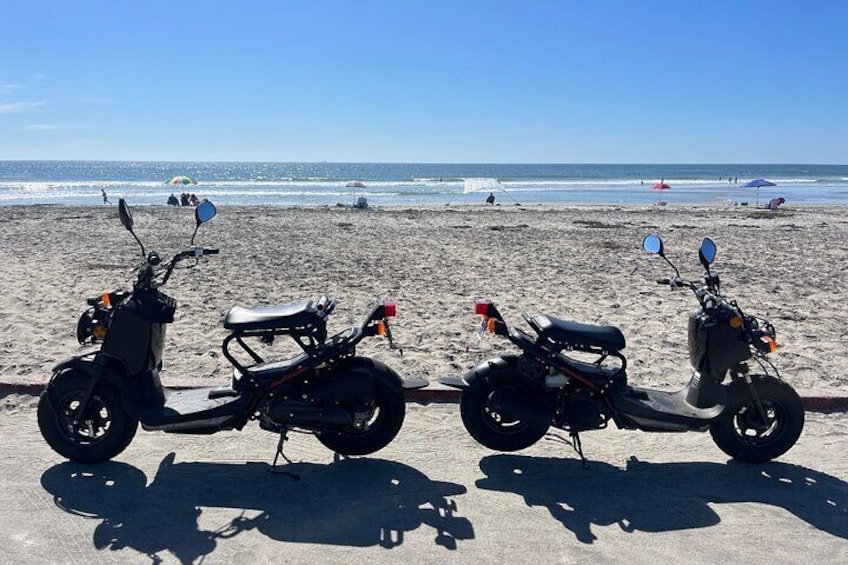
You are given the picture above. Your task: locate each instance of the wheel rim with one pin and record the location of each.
(375, 414)
(751, 430)
(89, 428)
(495, 419)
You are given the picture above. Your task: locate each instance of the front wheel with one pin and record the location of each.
(383, 422)
(492, 426)
(740, 430)
(98, 433)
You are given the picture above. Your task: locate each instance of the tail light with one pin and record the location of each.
(481, 307)
(389, 309)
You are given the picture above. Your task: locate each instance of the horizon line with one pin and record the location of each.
(417, 162)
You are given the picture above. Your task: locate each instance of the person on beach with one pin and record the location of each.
(774, 203)
(105, 196)
(490, 200)
(172, 200)
(193, 199)
(184, 199)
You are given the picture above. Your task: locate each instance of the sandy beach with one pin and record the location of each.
(578, 262)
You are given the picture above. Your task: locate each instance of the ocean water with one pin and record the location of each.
(143, 183)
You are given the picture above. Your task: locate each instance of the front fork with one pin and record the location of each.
(741, 371)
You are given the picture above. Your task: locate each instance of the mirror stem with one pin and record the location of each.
(143, 252)
(676, 272)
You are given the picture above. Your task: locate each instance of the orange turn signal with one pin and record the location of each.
(491, 323)
(736, 322)
(105, 299)
(772, 345)
(381, 328)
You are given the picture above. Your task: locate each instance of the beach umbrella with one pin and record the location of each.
(181, 179)
(659, 187)
(757, 183)
(354, 184)
(484, 185)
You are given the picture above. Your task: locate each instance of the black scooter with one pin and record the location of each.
(509, 402)
(94, 401)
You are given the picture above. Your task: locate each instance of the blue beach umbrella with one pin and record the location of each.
(757, 183)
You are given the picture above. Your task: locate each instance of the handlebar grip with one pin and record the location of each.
(212, 251)
(664, 281)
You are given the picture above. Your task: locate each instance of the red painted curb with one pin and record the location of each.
(17, 388)
(446, 395)
(427, 395)
(825, 403)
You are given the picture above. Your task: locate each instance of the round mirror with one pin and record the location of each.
(653, 244)
(204, 212)
(707, 251)
(124, 214)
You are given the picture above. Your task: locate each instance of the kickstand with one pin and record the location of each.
(278, 471)
(577, 445)
(574, 442)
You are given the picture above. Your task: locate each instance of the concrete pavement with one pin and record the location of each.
(433, 495)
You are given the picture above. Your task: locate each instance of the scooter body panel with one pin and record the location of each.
(480, 371)
(193, 411)
(655, 410)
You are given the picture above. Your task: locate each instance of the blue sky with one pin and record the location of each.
(436, 81)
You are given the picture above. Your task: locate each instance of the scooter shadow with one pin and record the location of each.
(660, 497)
(351, 502)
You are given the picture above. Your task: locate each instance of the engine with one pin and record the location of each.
(327, 402)
(577, 410)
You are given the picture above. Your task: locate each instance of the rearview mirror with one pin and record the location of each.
(204, 212)
(707, 252)
(127, 221)
(653, 244)
(124, 214)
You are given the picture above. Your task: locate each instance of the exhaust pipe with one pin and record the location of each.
(293, 413)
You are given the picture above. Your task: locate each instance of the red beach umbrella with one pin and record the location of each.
(659, 187)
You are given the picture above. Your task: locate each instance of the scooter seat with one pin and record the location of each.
(288, 316)
(574, 333)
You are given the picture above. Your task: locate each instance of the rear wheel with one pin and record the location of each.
(740, 430)
(492, 426)
(383, 422)
(96, 433)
